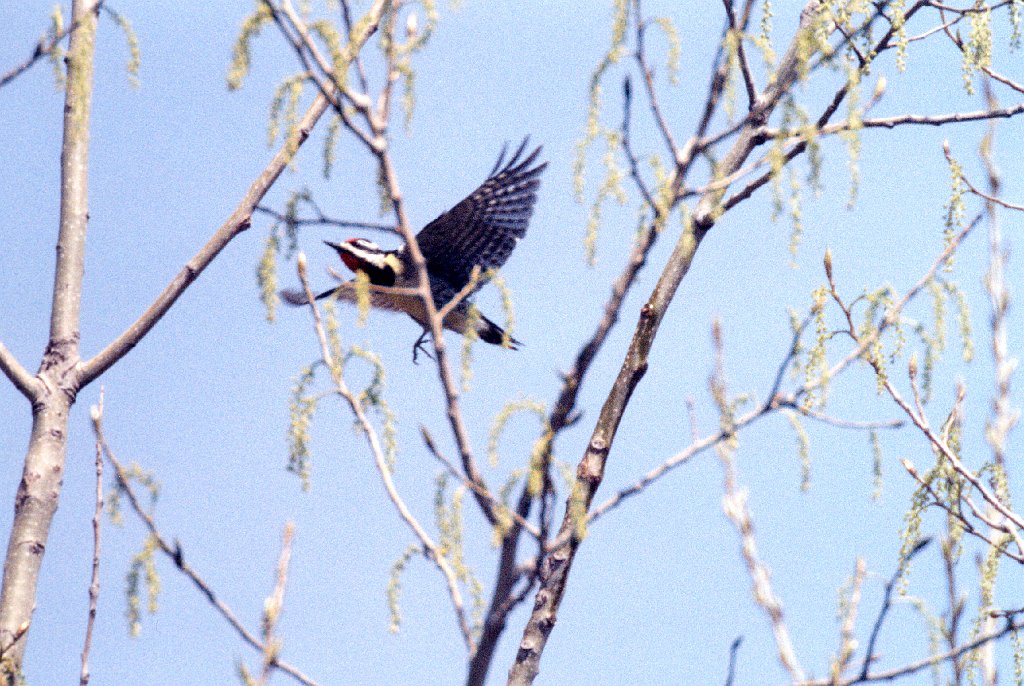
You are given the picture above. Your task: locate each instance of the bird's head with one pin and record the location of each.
(360, 254)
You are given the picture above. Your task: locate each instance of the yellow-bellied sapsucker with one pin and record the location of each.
(482, 230)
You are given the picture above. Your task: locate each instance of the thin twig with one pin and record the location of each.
(978, 192)
(334, 83)
(847, 423)
(847, 638)
(174, 552)
(734, 503)
(450, 467)
(273, 606)
(954, 513)
(890, 586)
(44, 48)
(323, 220)
(627, 147)
(918, 418)
(346, 16)
(648, 78)
(97, 516)
(748, 77)
(1011, 626)
(923, 119)
(433, 552)
(700, 142)
(467, 290)
(734, 648)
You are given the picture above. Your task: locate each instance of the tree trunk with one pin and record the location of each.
(58, 376)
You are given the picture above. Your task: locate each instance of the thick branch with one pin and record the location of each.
(555, 568)
(235, 224)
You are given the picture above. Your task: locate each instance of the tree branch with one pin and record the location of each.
(432, 550)
(378, 146)
(58, 384)
(741, 54)
(19, 376)
(322, 220)
(97, 517)
(554, 569)
(45, 47)
(273, 606)
(174, 552)
(238, 222)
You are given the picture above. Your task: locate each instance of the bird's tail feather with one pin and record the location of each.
(490, 332)
(297, 298)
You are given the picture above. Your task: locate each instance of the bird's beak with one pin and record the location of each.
(336, 246)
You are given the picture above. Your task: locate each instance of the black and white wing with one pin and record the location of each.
(484, 228)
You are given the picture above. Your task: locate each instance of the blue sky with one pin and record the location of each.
(659, 590)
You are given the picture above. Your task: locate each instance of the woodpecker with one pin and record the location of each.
(481, 231)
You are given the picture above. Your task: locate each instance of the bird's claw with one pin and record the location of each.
(419, 347)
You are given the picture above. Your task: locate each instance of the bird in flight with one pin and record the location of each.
(480, 231)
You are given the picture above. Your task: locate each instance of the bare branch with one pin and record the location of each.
(894, 312)
(734, 503)
(433, 552)
(698, 143)
(869, 655)
(741, 54)
(94, 584)
(504, 598)
(176, 555)
(931, 120)
(467, 290)
(274, 605)
(848, 640)
(734, 648)
(648, 79)
(1011, 626)
(329, 83)
(865, 676)
(627, 147)
(848, 423)
(454, 471)
(555, 567)
(974, 189)
(19, 376)
(44, 48)
(238, 222)
(322, 220)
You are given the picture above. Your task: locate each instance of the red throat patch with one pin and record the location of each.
(351, 261)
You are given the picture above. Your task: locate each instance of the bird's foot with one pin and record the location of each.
(419, 347)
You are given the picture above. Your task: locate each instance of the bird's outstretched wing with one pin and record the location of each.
(484, 228)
